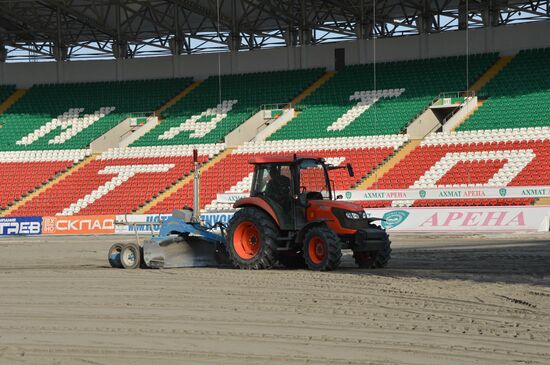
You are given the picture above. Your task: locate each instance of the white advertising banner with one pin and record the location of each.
(455, 219)
(463, 219)
(420, 194)
(125, 224)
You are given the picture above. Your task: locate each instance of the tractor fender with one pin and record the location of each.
(302, 232)
(258, 203)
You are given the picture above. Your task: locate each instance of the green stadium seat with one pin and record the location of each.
(203, 117)
(518, 96)
(418, 82)
(71, 116)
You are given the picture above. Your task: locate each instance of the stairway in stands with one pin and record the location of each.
(9, 96)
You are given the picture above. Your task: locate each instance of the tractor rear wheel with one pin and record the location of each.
(252, 239)
(322, 249)
(373, 259)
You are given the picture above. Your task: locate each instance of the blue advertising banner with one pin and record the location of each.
(20, 226)
(151, 221)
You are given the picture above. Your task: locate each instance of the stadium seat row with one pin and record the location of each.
(402, 90)
(518, 96)
(118, 181)
(71, 116)
(505, 157)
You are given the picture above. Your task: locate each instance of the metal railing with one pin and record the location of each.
(457, 94)
(147, 114)
(281, 106)
(140, 114)
(467, 95)
(273, 106)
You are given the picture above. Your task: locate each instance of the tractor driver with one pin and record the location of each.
(278, 187)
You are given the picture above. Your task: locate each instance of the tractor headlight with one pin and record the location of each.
(351, 219)
(353, 215)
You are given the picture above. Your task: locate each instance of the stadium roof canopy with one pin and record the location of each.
(77, 29)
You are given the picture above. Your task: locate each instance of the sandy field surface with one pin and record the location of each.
(442, 300)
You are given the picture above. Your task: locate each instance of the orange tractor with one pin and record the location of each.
(293, 218)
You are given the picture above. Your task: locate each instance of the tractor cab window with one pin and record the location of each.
(274, 182)
(313, 180)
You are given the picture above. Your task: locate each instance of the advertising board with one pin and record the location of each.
(421, 194)
(20, 226)
(422, 219)
(463, 219)
(95, 224)
(454, 219)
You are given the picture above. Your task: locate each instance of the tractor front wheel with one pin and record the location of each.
(373, 259)
(252, 239)
(322, 249)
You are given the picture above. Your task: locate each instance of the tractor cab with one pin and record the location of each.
(289, 184)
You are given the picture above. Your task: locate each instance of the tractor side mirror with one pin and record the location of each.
(350, 170)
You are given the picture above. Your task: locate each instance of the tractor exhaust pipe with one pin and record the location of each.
(196, 187)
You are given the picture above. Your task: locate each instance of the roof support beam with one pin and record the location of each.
(82, 18)
(56, 28)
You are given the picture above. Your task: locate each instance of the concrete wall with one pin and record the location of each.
(424, 124)
(128, 139)
(246, 131)
(505, 39)
(275, 125)
(461, 115)
(111, 138)
(122, 135)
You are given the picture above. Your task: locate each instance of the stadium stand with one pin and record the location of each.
(118, 181)
(518, 96)
(22, 172)
(71, 116)
(498, 157)
(232, 174)
(201, 117)
(347, 119)
(352, 104)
